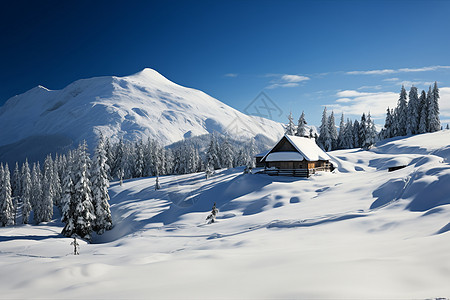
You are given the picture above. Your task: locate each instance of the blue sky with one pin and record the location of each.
(352, 56)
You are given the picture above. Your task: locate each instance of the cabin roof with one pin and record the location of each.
(305, 146)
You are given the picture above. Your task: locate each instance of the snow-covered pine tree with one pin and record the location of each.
(301, 127)
(100, 184)
(80, 215)
(348, 135)
(356, 140)
(324, 140)
(227, 153)
(341, 134)
(388, 125)
(44, 211)
(251, 154)
(413, 116)
(26, 192)
(212, 154)
(138, 159)
(290, 127)
(311, 134)
(15, 183)
(6, 204)
(56, 185)
(333, 131)
(36, 194)
(401, 116)
(433, 109)
(371, 132)
(423, 122)
(363, 132)
(110, 156)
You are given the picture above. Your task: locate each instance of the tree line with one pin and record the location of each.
(419, 114)
(77, 185)
(357, 134)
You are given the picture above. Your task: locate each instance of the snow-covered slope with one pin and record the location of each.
(360, 232)
(142, 105)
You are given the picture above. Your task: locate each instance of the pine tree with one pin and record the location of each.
(333, 131)
(157, 185)
(36, 194)
(371, 132)
(56, 185)
(324, 140)
(348, 135)
(6, 203)
(290, 127)
(402, 113)
(212, 154)
(79, 216)
(138, 159)
(26, 192)
(301, 127)
(44, 211)
(15, 184)
(433, 109)
(100, 184)
(388, 125)
(341, 139)
(356, 140)
(423, 122)
(227, 153)
(413, 117)
(363, 132)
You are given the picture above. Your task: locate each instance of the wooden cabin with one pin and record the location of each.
(296, 156)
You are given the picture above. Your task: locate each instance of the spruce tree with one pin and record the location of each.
(15, 184)
(100, 184)
(79, 216)
(433, 109)
(290, 127)
(413, 117)
(301, 127)
(363, 132)
(212, 154)
(348, 135)
(44, 211)
(227, 153)
(341, 139)
(401, 113)
(6, 204)
(26, 192)
(356, 140)
(36, 194)
(333, 131)
(324, 140)
(423, 122)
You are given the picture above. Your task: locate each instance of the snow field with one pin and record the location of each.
(360, 232)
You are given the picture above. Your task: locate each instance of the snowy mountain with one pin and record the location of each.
(140, 106)
(359, 232)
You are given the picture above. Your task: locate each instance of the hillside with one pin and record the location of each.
(360, 232)
(141, 106)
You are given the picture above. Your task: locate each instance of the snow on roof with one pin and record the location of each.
(306, 147)
(285, 156)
